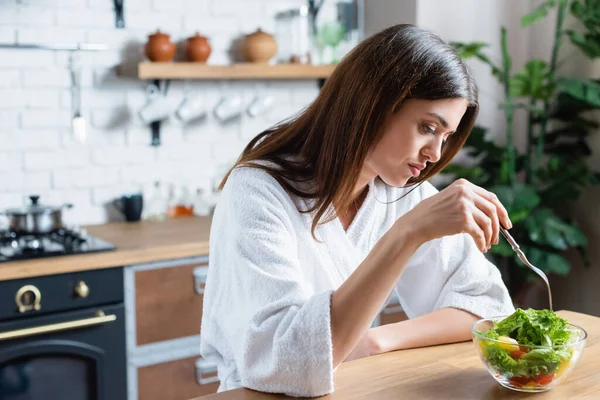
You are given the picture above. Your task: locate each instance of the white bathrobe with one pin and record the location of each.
(266, 315)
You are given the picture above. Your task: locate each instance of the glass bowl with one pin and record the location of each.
(539, 371)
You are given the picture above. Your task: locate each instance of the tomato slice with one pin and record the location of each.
(520, 380)
(517, 354)
(544, 379)
(523, 348)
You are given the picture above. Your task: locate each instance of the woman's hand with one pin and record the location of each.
(460, 208)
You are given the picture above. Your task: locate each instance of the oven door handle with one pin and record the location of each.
(99, 319)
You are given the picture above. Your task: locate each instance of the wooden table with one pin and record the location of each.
(446, 372)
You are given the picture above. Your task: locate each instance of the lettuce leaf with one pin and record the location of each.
(534, 327)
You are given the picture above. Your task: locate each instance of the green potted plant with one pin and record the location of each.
(538, 185)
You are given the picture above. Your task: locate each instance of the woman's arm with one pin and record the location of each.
(356, 302)
(446, 325)
(461, 207)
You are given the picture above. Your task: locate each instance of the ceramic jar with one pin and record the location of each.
(197, 48)
(259, 47)
(159, 47)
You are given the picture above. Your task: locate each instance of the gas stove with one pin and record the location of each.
(65, 241)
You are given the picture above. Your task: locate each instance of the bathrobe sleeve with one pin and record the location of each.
(452, 272)
(256, 297)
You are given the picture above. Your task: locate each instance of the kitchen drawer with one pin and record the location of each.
(176, 380)
(392, 313)
(168, 302)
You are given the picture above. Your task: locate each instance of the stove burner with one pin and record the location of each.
(15, 246)
(32, 244)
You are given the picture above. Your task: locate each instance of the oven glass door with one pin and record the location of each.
(77, 355)
(50, 371)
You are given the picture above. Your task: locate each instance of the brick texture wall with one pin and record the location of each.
(37, 152)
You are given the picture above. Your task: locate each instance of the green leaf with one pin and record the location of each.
(474, 174)
(574, 236)
(545, 228)
(468, 50)
(567, 107)
(588, 43)
(532, 81)
(547, 261)
(538, 13)
(542, 231)
(519, 200)
(474, 49)
(563, 179)
(502, 249)
(497, 72)
(581, 89)
(588, 13)
(557, 264)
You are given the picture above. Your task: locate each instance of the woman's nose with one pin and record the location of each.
(433, 150)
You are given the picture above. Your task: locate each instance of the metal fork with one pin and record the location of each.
(520, 254)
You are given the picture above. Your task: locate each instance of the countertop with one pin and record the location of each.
(450, 372)
(136, 242)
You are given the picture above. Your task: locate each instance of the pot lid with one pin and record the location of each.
(34, 208)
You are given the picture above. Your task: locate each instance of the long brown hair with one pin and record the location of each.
(330, 140)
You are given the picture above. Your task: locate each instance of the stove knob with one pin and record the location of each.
(82, 290)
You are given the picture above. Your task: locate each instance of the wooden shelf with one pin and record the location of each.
(190, 70)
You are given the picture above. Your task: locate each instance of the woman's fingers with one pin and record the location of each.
(490, 210)
(473, 229)
(485, 226)
(500, 210)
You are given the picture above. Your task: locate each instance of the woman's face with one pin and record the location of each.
(412, 138)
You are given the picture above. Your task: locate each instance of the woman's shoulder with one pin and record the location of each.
(248, 184)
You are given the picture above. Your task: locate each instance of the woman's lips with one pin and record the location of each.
(415, 169)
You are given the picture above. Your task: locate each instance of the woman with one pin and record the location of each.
(323, 216)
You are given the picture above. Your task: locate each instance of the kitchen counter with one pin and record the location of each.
(450, 371)
(136, 242)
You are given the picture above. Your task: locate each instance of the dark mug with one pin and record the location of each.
(130, 206)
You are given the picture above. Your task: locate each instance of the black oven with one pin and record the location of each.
(62, 337)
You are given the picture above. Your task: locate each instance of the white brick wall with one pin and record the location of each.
(38, 154)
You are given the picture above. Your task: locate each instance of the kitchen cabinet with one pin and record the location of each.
(167, 305)
(163, 302)
(173, 380)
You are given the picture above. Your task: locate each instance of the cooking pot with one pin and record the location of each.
(35, 218)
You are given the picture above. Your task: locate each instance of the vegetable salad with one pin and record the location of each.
(530, 347)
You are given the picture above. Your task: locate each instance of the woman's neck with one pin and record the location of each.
(358, 197)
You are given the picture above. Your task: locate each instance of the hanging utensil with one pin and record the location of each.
(78, 125)
(522, 257)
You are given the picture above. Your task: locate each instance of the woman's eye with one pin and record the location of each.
(428, 128)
